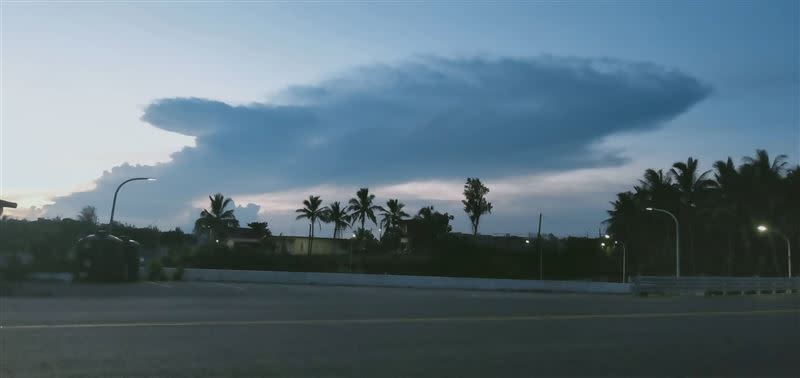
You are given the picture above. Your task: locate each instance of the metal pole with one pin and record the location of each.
(677, 240)
(788, 253)
(114, 204)
(539, 242)
(624, 253)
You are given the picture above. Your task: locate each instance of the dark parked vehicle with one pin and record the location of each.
(104, 257)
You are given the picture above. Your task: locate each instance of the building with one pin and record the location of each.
(298, 245)
(293, 245)
(4, 204)
(243, 236)
(505, 242)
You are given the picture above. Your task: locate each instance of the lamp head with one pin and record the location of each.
(649, 209)
(762, 228)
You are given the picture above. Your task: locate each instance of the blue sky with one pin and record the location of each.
(260, 101)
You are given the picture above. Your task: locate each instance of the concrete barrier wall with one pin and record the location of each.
(381, 280)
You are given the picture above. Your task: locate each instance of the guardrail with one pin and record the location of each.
(714, 285)
(386, 280)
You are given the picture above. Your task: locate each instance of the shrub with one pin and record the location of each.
(177, 274)
(15, 269)
(156, 271)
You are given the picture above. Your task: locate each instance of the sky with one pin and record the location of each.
(555, 106)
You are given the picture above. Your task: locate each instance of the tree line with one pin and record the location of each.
(360, 210)
(719, 212)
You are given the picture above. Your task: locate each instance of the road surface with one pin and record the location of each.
(214, 329)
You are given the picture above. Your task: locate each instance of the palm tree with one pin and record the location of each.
(726, 208)
(624, 216)
(690, 185)
(361, 207)
(392, 214)
(336, 214)
(761, 180)
(656, 187)
(313, 212)
(217, 220)
(764, 167)
(688, 182)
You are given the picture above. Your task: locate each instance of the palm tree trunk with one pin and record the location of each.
(730, 253)
(775, 263)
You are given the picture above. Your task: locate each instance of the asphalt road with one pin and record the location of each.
(208, 329)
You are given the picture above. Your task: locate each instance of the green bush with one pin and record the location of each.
(177, 274)
(15, 270)
(155, 271)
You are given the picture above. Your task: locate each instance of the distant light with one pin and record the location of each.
(649, 209)
(354, 234)
(762, 228)
(616, 242)
(607, 236)
(151, 179)
(217, 240)
(602, 244)
(527, 242)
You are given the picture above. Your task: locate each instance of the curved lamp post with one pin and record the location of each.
(762, 228)
(114, 204)
(677, 239)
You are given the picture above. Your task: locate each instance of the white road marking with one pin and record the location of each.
(220, 284)
(452, 319)
(159, 284)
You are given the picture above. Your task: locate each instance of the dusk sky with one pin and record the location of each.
(555, 106)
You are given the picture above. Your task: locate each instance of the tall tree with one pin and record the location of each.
(336, 214)
(431, 226)
(688, 182)
(726, 207)
(261, 229)
(475, 203)
(312, 211)
(361, 207)
(761, 178)
(88, 215)
(691, 186)
(729, 206)
(392, 214)
(218, 219)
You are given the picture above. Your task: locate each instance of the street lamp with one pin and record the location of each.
(677, 239)
(762, 229)
(114, 204)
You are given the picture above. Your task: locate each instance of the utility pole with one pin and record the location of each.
(539, 244)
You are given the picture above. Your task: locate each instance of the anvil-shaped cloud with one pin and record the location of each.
(385, 125)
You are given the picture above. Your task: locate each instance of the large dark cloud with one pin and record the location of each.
(429, 118)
